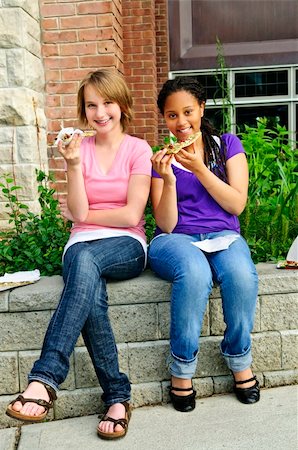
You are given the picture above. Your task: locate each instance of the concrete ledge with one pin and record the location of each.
(139, 312)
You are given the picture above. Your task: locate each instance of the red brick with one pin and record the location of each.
(53, 100)
(78, 22)
(97, 61)
(56, 163)
(57, 10)
(52, 125)
(49, 24)
(52, 75)
(69, 100)
(96, 34)
(59, 36)
(60, 113)
(61, 63)
(98, 7)
(62, 88)
(50, 50)
(72, 75)
(86, 48)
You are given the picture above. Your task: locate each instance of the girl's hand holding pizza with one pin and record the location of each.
(190, 158)
(71, 151)
(161, 163)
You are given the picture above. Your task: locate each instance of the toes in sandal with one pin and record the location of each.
(123, 422)
(247, 395)
(183, 403)
(47, 405)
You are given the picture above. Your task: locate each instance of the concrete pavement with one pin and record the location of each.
(218, 422)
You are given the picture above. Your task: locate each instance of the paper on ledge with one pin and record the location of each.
(18, 279)
(216, 244)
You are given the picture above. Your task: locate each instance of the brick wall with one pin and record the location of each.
(77, 37)
(139, 45)
(162, 55)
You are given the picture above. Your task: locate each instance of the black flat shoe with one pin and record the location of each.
(182, 403)
(247, 395)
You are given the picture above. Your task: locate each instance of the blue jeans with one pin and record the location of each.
(83, 308)
(192, 273)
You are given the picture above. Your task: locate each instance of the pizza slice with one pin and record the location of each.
(65, 135)
(175, 147)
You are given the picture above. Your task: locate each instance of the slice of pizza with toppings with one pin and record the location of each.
(175, 147)
(65, 135)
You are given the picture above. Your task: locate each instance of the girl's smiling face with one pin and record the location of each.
(102, 114)
(183, 114)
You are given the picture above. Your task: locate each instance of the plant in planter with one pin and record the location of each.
(34, 241)
(269, 222)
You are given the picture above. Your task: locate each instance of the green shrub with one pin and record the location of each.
(35, 241)
(269, 222)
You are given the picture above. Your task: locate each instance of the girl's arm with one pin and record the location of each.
(128, 215)
(163, 193)
(77, 201)
(231, 196)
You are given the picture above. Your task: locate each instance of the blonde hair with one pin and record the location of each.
(111, 86)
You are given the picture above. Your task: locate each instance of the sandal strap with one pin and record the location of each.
(39, 402)
(126, 406)
(246, 381)
(51, 391)
(122, 422)
(172, 388)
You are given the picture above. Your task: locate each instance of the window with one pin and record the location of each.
(270, 92)
(260, 84)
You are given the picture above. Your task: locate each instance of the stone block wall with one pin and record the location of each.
(139, 312)
(22, 118)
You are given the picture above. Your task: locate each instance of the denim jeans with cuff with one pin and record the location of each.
(83, 308)
(192, 273)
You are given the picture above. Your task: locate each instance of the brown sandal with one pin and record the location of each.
(47, 405)
(123, 422)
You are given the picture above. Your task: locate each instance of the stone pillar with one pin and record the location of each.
(22, 118)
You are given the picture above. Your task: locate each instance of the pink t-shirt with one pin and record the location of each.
(108, 191)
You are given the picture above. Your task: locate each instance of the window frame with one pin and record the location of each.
(290, 99)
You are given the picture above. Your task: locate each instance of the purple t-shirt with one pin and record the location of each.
(198, 212)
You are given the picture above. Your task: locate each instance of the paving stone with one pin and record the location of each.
(8, 439)
(210, 360)
(9, 375)
(289, 342)
(280, 378)
(279, 312)
(23, 330)
(147, 361)
(266, 351)
(129, 325)
(144, 394)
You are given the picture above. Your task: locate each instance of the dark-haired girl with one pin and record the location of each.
(197, 195)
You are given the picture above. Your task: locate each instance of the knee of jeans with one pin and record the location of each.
(194, 273)
(243, 277)
(82, 262)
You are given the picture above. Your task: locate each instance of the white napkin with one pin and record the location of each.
(19, 277)
(69, 130)
(216, 244)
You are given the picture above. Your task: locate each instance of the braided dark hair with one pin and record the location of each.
(215, 158)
